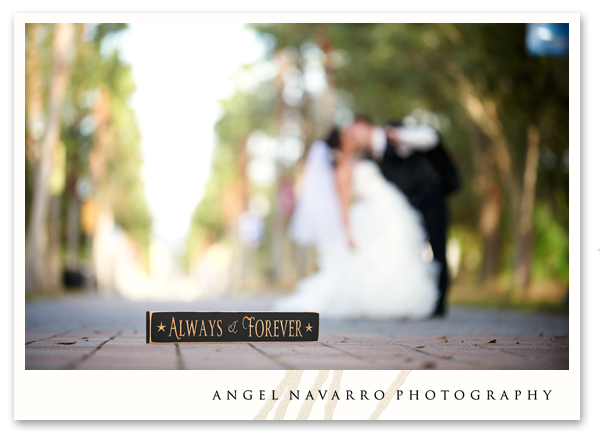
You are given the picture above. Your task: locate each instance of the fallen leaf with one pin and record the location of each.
(68, 342)
(419, 347)
(492, 341)
(562, 336)
(445, 340)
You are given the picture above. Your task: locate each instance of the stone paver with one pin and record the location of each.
(95, 333)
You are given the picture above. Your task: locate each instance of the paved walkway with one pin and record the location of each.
(91, 332)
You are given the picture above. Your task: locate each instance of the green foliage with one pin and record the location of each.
(551, 256)
(395, 68)
(121, 185)
(103, 30)
(122, 178)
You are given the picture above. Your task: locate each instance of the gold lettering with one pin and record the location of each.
(291, 327)
(275, 328)
(219, 326)
(202, 328)
(262, 325)
(250, 325)
(283, 327)
(212, 326)
(268, 328)
(173, 326)
(193, 326)
(298, 327)
(180, 331)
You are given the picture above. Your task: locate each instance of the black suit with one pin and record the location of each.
(426, 178)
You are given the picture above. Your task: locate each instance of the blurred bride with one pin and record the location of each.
(369, 238)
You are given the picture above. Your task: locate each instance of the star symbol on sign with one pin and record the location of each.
(161, 327)
(309, 328)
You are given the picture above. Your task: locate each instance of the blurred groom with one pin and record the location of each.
(414, 159)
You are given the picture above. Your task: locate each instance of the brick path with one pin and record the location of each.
(91, 332)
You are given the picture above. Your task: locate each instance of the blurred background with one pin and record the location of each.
(163, 161)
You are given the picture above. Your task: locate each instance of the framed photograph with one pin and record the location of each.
(274, 216)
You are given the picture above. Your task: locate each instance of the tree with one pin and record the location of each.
(86, 94)
(36, 239)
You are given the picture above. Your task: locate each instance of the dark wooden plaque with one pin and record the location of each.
(234, 326)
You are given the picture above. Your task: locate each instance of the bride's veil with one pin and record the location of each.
(317, 218)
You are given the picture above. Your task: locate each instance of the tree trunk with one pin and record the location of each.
(301, 261)
(277, 220)
(53, 260)
(73, 225)
(525, 249)
(491, 201)
(278, 231)
(34, 94)
(483, 112)
(35, 273)
(489, 226)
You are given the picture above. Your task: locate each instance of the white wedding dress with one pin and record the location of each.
(386, 275)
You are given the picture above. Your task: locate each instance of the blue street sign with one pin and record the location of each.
(548, 39)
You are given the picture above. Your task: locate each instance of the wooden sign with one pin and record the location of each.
(235, 326)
